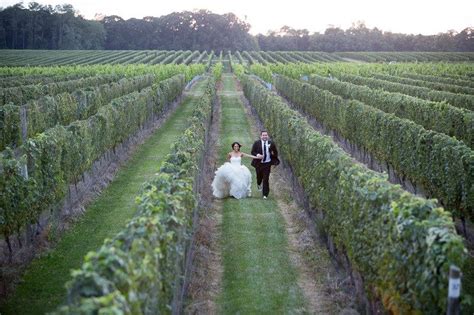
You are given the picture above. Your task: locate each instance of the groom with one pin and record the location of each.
(268, 150)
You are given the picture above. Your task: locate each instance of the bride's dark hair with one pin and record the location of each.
(236, 143)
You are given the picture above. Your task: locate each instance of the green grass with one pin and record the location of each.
(42, 288)
(229, 84)
(467, 282)
(258, 276)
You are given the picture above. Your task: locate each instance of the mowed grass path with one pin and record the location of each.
(258, 277)
(42, 288)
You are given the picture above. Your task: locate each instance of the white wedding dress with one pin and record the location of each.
(232, 179)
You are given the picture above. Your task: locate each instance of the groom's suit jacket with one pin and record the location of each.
(257, 149)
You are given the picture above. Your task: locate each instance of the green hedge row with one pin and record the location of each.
(249, 58)
(373, 56)
(240, 58)
(437, 79)
(458, 71)
(267, 57)
(104, 58)
(440, 164)
(261, 71)
(258, 58)
(277, 57)
(195, 54)
(440, 117)
(428, 84)
(458, 100)
(201, 57)
(64, 108)
(21, 94)
(295, 57)
(37, 79)
(136, 272)
(401, 244)
(95, 70)
(58, 157)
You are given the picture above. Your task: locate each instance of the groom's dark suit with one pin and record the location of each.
(262, 167)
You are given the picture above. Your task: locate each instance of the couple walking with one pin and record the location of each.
(234, 179)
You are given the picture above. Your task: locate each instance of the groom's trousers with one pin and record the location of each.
(263, 176)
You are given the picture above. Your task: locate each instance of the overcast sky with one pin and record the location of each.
(403, 16)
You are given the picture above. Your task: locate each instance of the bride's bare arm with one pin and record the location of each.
(252, 156)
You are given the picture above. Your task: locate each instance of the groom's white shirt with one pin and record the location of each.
(267, 153)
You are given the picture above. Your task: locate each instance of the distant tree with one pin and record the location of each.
(334, 39)
(360, 38)
(61, 27)
(45, 27)
(286, 38)
(199, 30)
(465, 40)
(116, 31)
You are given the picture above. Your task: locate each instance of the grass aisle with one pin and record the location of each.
(42, 288)
(258, 275)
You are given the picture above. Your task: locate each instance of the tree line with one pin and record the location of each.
(46, 27)
(61, 27)
(360, 38)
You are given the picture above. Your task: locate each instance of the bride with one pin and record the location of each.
(233, 178)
